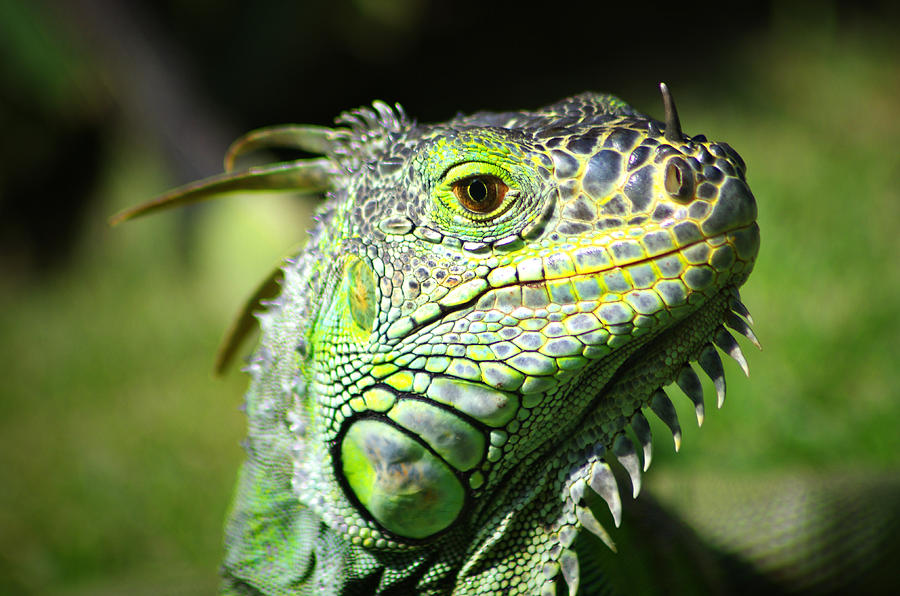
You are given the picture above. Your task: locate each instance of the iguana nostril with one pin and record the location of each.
(679, 180)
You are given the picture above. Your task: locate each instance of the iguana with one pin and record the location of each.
(482, 316)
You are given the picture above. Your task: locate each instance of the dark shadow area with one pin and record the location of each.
(193, 75)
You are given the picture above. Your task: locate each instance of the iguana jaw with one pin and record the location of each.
(587, 447)
(618, 388)
(590, 260)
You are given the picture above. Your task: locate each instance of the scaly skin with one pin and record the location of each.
(484, 308)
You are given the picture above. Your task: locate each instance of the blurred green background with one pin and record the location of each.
(118, 449)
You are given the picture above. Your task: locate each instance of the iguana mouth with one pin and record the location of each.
(624, 265)
(475, 292)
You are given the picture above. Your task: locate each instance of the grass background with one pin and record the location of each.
(118, 450)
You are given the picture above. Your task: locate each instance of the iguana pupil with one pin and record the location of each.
(477, 190)
(481, 194)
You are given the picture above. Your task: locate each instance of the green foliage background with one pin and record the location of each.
(118, 449)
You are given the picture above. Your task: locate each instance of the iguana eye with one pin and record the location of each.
(679, 180)
(480, 194)
(473, 199)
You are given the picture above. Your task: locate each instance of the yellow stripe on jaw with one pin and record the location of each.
(614, 265)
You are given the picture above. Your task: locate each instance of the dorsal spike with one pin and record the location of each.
(313, 175)
(730, 346)
(741, 326)
(603, 482)
(589, 522)
(390, 119)
(641, 429)
(548, 588)
(624, 451)
(245, 322)
(740, 309)
(312, 139)
(576, 491)
(711, 364)
(673, 124)
(690, 383)
(568, 562)
(662, 406)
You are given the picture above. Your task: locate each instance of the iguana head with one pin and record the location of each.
(484, 311)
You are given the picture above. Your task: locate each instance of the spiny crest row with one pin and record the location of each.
(599, 476)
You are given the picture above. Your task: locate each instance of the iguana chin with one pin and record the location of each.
(484, 309)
